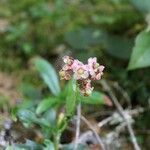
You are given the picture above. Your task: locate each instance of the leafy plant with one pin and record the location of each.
(141, 52)
(45, 113)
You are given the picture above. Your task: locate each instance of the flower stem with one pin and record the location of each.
(56, 140)
(77, 126)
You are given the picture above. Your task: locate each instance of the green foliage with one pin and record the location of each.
(70, 147)
(118, 46)
(86, 38)
(49, 145)
(43, 113)
(82, 39)
(97, 98)
(46, 104)
(141, 52)
(102, 28)
(48, 74)
(31, 145)
(28, 117)
(143, 5)
(38, 27)
(71, 97)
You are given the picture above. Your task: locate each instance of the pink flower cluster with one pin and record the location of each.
(83, 73)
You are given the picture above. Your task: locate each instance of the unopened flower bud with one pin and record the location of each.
(62, 74)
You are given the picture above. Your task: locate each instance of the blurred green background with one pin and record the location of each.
(115, 31)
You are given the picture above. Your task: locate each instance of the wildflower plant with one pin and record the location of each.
(53, 112)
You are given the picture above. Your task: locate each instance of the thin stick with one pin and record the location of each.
(95, 133)
(105, 121)
(123, 92)
(121, 111)
(77, 126)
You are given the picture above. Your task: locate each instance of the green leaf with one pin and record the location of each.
(71, 97)
(29, 91)
(95, 98)
(28, 117)
(45, 104)
(18, 147)
(29, 145)
(33, 145)
(142, 5)
(48, 74)
(50, 116)
(49, 145)
(82, 39)
(118, 47)
(9, 147)
(71, 146)
(141, 52)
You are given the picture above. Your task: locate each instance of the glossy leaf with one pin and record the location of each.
(48, 74)
(141, 52)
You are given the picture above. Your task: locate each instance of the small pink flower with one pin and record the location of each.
(101, 68)
(92, 61)
(81, 72)
(76, 64)
(98, 76)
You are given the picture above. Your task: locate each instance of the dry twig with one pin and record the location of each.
(95, 133)
(121, 111)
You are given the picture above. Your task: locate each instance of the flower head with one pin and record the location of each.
(83, 73)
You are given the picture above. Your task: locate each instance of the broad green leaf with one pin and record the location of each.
(142, 5)
(9, 147)
(33, 145)
(28, 117)
(48, 74)
(45, 104)
(114, 45)
(141, 52)
(18, 147)
(29, 145)
(71, 97)
(95, 98)
(50, 116)
(82, 39)
(118, 47)
(29, 91)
